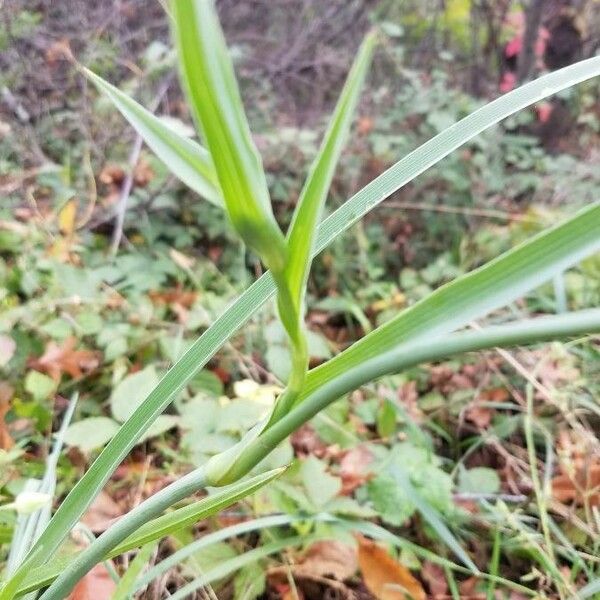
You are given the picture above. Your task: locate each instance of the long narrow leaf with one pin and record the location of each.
(406, 355)
(475, 294)
(234, 564)
(186, 159)
(209, 80)
(303, 228)
(160, 527)
(308, 211)
(89, 486)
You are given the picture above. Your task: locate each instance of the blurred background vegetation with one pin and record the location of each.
(93, 303)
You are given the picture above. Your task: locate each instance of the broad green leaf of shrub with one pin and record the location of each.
(479, 480)
(131, 391)
(91, 433)
(40, 386)
(321, 487)
(428, 479)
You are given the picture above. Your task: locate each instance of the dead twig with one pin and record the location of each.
(127, 184)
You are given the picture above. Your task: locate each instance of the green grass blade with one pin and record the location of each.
(160, 527)
(432, 517)
(186, 159)
(309, 209)
(209, 80)
(589, 590)
(259, 524)
(232, 565)
(475, 294)
(125, 587)
(89, 486)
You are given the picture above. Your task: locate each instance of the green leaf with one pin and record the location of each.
(474, 294)
(209, 81)
(40, 386)
(88, 487)
(125, 587)
(404, 356)
(307, 215)
(320, 486)
(131, 392)
(394, 503)
(161, 526)
(235, 564)
(249, 583)
(186, 159)
(432, 517)
(479, 480)
(91, 433)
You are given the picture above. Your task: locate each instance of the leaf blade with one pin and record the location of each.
(209, 80)
(186, 159)
(161, 526)
(475, 294)
(312, 197)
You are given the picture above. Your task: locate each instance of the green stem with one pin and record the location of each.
(292, 320)
(409, 355)
(124, 527)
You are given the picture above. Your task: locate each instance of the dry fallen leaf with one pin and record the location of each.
(365, 125)
(57, 360)
(481, 416)
(386, 578)
(354, 468)
(96, 585)
(112, 175)
(143, 173)
(435, 578)
(66, 217)
(58, 50)
(580, 487)
(6, 392)
(102, 513)
(329, 559)
(467, 589)
(173, 297)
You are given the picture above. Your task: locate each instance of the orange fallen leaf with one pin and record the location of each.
(468, 591)
(143, 173)
(111, 175)
(57, 360)
(581, 487)
(58, 50)
(481, 416)
(96, 585)
(174, 296)
(386, 578)
(365, 125)
(6, 392)
(435, 578)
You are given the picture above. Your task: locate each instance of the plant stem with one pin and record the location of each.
(291, 317)
(125, 526)
(409, 355)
